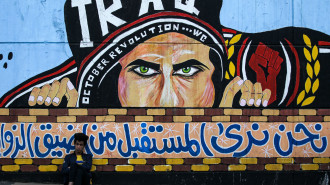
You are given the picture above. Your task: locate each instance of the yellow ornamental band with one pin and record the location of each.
(312, 83)
(231, 50)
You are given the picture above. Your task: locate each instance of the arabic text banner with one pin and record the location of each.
(166, 140)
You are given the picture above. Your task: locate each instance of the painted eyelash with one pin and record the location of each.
(132, 69)
(200, 68)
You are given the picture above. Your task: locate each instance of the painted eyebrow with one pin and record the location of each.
(144, 63)
(191, 62)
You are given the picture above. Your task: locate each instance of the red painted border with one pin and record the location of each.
(297, 73)
(229, 30)
(324, 43)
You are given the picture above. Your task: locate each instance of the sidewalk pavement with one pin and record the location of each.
(20, 183)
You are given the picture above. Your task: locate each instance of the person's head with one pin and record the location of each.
(168, 70)
(164, 57)
(80, 141)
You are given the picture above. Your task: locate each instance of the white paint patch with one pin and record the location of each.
(56, 100)
(151, 55)
(70, 85)
(258, 102)
(228, 35)
(244, 61)
(265, 104)
(31, 98)
(114, 65)
(179, 53)
(324, 50)
(168, 97)
(240, 82)
(48, 99)
(288, 74)
(40, 98)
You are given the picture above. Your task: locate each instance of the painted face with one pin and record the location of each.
(169, 70)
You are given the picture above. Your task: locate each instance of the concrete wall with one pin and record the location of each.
(35, 31)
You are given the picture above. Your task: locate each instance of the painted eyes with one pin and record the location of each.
(184, 72)
(187, 71)
(145, 71)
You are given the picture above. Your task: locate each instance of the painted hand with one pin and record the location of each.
(252, 94)
(54, 93)
(268, 59)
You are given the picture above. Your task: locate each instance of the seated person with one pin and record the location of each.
(77, 166)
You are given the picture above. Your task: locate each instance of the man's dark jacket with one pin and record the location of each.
(71, 160)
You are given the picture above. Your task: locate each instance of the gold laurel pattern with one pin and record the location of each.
(312, 84)
(231, 50)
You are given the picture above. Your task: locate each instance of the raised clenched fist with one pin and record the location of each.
(266, 59)
(54, 93)
(252, 94)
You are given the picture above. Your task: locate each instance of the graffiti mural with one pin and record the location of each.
(169, 140)
(176, 53)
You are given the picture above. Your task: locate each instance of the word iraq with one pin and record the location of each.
(106, 14)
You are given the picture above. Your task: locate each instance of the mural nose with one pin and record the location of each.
(169, 97)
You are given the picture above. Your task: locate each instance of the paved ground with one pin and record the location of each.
(19, 183)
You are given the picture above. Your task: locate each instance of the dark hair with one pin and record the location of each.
(80, 137)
